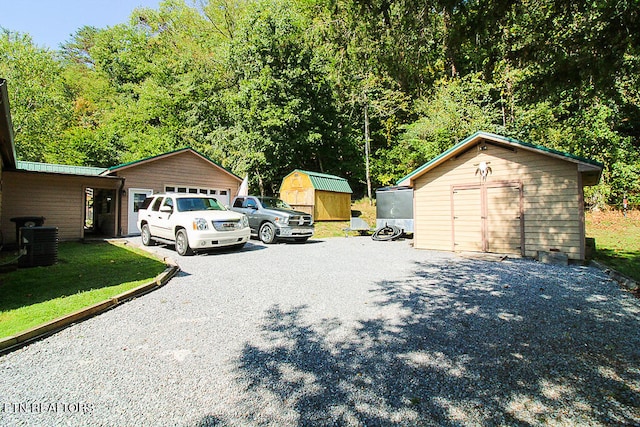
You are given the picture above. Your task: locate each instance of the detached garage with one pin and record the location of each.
(326, 197)
(491, 193)
(182, 171)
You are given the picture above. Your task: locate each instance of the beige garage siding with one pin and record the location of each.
(184, 168)
(58, 198)
(551, 197)
(504, 219)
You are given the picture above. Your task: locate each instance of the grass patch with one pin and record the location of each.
(86, 273)
(617, 240)
(359, 208)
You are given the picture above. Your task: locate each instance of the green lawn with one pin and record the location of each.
(617, 240)
(86, 273)
(360, 208)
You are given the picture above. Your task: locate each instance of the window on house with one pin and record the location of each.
(195, 190)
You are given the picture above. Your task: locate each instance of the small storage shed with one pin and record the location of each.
(490, 193)
(326, 197)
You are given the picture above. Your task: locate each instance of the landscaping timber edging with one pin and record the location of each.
(624, 281)
(11, 343)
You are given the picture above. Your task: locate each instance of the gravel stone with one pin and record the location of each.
(343, 331)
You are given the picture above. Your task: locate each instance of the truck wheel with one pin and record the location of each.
(267, 233)
(146, 236)
(182, 243)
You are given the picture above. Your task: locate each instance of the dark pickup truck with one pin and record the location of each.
(271, 219)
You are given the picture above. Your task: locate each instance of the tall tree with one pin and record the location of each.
(39, 106)
(283, 111)
(458, 107)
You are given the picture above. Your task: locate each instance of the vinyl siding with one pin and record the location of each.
(58, 198)
(551, 200)
(181, 169)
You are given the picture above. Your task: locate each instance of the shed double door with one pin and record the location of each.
(488, 218)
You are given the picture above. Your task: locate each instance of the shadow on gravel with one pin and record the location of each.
(458, 343)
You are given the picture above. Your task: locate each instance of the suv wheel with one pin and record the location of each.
(182, 243)
(146, 236)
(267, 233)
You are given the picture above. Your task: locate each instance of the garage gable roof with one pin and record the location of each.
(325, 182)
(590, 168)
(122, 166)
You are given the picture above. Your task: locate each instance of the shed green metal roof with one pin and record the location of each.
(52, 168)
(325, 182)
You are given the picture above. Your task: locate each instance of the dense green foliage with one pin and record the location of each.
(266, 87)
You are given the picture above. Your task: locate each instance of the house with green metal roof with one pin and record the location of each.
(490, 193)
(84, 202)
(326, 197)
(63, 169)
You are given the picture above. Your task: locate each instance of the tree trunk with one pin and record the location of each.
(367, 149)
(260, 183)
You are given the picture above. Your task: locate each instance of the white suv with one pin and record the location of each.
(192, 222)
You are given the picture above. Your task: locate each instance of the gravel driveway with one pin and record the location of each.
(345, 331)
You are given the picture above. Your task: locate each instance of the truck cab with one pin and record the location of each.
(271, 219)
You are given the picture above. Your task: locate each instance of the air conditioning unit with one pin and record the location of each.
(40, 246)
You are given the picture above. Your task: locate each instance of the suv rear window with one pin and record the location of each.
(156, 204)
(145, 204)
